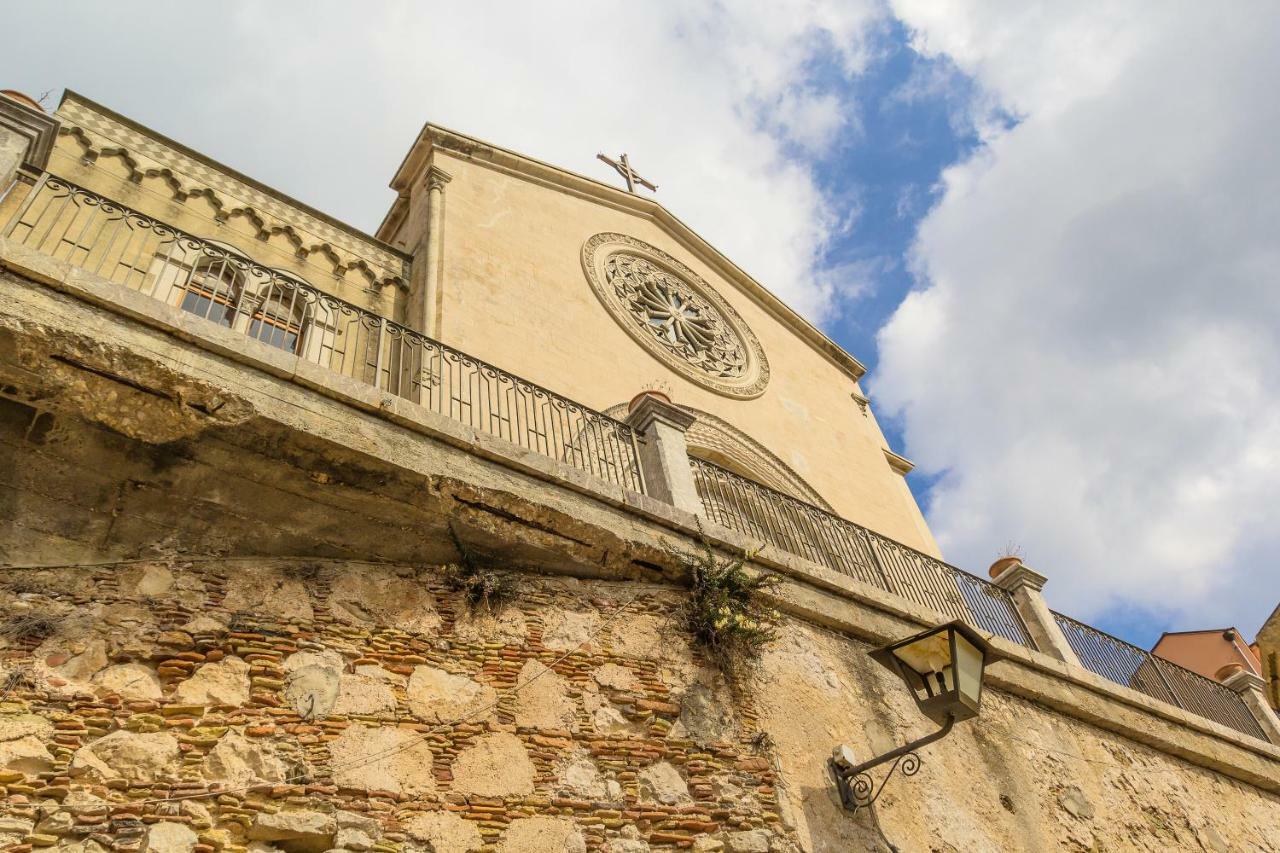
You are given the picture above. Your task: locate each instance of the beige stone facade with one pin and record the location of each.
(228, 627)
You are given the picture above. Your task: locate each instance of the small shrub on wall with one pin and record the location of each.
(725, 612)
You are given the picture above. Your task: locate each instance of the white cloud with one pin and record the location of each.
(322, 99)
(1093, 357)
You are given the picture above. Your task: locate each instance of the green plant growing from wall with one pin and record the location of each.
(481, 585)
(725, 612)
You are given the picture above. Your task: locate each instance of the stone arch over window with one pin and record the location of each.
(716, 440)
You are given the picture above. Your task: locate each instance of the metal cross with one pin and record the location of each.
(624, 169)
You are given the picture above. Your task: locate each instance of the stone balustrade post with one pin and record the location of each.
(1025, 588)
(1250, 688)
(26, 137)
(664, 454)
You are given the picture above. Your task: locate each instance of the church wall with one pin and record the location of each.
(329, 718)
(514, 293)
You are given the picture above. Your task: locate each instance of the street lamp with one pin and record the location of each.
(943, 669)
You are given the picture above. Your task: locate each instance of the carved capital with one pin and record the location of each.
(436, 178)
(1244, 681)
(39, 129)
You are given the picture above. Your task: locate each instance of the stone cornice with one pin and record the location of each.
(38, 128)
(900, 464)
(433, 136)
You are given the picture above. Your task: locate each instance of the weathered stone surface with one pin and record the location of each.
(706, 716)
(442, 832)
(356, 831)
(662, 783)
(87, 658)
(403, 764)
(312, 682)
(615, 677)
(255, 586)
(22, 743)
(749, 841)
(169, 837)
(542, 835)
(582, 778)
(239, 760)
(364, 695)
(128, 755)
(567, 629)
(374, 595)
(477, 625)
(132, 681)
(305, 830)
(436, 696)
(543, 700)
(496, 765)
(146, 580)
(225, 682)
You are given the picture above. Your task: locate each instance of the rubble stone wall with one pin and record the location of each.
(301, 706)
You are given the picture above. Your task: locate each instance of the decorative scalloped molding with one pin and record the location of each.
(101, 136)
(597, 249)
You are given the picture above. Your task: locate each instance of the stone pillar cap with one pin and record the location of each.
(1244, 681)
(1019, 575)
(650, 408)
(33, 124)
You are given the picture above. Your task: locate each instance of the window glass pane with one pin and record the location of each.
(199, 303)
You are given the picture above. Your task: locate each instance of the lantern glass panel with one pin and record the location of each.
(968, 669)
(929, 659)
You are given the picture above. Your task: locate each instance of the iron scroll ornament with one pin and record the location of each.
(857, 788)
(675, 315)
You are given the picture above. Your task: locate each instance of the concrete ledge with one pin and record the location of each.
(633, 522)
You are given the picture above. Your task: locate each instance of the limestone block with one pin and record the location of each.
(567, 629)
(145, 580)
(544, 703)
(749, 841)
(258, 585)
(706, 716)
(305, 830)
(582, 778)
(225, 682)
(129, 681)
(436, 696)
(403, 762)
(312, 682)
(239, 760)
(128, 755)
(443, 832)
(356, 831)
(662, 783)
(87, 659)
(372, 596)
(22, 743)
(542, 835)
(477, 625)
(14, 829)
(496, 765)
(615, 677)
(170, 838)
(364, 695)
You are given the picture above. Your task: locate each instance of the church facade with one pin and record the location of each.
(248, 448)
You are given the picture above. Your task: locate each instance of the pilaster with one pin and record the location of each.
(433, 248)
(664, 453)
(1250, 687)
(1025, 587)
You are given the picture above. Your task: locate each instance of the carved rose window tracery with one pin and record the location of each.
(675, 315)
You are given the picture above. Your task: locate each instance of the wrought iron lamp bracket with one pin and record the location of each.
(858, 789)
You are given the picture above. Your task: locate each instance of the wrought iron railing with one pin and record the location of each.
(817, 535)
(1131, 666)
(277, 308)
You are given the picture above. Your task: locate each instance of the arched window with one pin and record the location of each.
(213, 289)
(279, 318)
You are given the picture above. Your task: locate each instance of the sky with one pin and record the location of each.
(1048, 229)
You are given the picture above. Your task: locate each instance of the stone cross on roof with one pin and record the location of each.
(624, 168)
